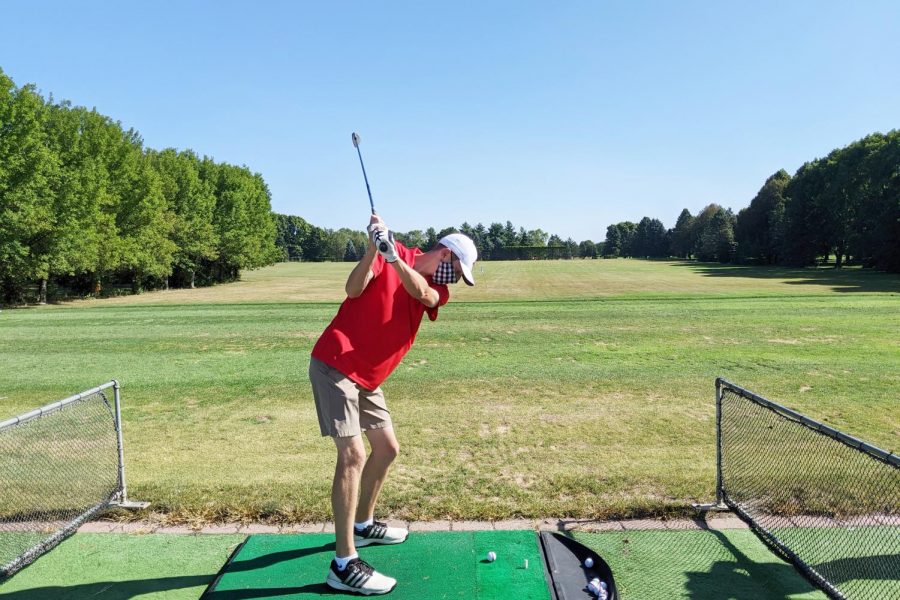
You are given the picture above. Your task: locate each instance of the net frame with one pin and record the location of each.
(724, 501)
(119, 497)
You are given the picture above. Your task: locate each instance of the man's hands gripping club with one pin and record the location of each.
(383, 239)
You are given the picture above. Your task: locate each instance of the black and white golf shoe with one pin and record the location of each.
(379, 533)
(359, 577)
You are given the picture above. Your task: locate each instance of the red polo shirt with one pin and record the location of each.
(370, 334)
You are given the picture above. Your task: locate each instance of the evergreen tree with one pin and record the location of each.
(431, 238)
(682, 239)
(508, 236)
(350, 252)
(612, 247)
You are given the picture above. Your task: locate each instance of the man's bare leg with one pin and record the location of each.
(384, 450)
(351, 455)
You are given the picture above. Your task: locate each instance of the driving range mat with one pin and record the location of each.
(445, 564)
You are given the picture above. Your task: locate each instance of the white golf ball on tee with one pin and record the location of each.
(491, 556)
(588, 562)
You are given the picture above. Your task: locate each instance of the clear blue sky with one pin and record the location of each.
(566, 116)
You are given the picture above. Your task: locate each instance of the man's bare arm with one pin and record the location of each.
(361, 274)
(415, 285)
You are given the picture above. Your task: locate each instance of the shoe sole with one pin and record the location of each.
(337, 585)
(361, 542)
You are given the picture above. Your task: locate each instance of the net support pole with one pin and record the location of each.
(719, 501)
(118, 399)
(123, 491)
(719, 504)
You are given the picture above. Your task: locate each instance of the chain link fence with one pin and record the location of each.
(821, 499)
(59, 466)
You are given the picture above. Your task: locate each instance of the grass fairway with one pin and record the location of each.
(565, 388)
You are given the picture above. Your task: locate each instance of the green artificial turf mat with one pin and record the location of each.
(429, 565)
(701, 565)
(122, 566)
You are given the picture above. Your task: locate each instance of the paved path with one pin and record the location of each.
(715, 522)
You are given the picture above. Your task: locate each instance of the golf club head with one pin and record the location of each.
(355, 137)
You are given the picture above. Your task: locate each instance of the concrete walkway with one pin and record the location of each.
(713, 521)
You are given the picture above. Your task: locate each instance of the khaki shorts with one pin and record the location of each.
(345, 408)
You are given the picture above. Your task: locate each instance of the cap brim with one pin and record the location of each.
(467, 273)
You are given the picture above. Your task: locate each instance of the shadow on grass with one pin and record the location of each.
(273, 558)
(319, 589)
(851, 279)
(108, 590)
(124, 590)
(744, 579)
(874, 576)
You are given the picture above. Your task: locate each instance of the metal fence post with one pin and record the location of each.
(719, 441)
(122, 492)
(123, 497)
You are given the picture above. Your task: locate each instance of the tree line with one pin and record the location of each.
(845, 206)
(85, 208)
(299, 240)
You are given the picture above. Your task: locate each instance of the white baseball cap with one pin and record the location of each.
(464, 249)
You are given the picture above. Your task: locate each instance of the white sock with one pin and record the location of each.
(342, 562)
(364, 524)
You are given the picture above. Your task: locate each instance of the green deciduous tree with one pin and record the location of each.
(650, 239)
(144, 224)
(290, 235)
(612, 246)
(191, 202)
(715, 227)
(876, 240)
(28, 171)
(804, 221)
(587, 249)
(759, 228)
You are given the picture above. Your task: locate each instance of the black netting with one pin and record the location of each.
(56, 471)
(831, 508)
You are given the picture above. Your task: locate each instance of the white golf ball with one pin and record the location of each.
(589, 562)
(491, 556)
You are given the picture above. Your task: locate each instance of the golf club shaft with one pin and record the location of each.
(371, 203)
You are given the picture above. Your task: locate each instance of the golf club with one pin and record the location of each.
(355, 138)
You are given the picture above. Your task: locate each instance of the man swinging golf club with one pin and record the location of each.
(388, 291)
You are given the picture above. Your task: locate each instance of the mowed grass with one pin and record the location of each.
(564, 389)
